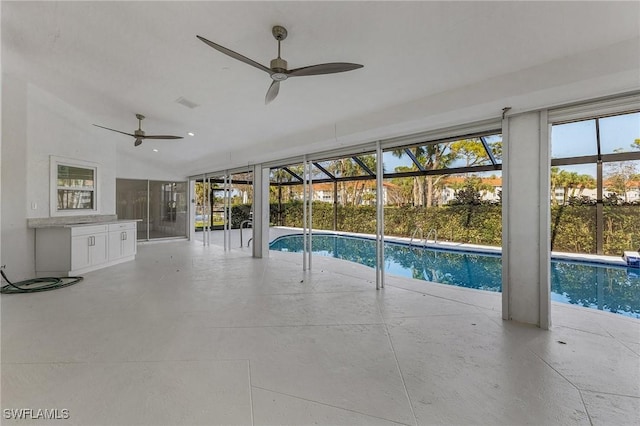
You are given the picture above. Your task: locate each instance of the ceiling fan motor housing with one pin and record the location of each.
(279, 32)
(279, 66)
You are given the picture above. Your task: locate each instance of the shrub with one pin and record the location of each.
(573, 226)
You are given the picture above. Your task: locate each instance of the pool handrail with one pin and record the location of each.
(433, 231)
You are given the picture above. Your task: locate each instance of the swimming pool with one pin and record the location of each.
(599, 286)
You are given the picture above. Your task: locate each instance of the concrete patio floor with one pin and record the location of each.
(190, 334)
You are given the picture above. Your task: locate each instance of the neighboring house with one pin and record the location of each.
(454, 183)
(361, 192)
(633, 192)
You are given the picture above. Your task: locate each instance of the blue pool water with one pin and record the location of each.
(598, 286)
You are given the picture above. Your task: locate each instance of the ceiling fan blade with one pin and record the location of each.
(114, 130)
(235, 55)
(329, 68)
(137, 142)
(272, 92)
(161, 137)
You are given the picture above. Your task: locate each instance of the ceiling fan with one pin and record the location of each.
(278, 70)
(139, 134)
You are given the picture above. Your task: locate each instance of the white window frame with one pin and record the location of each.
(54, 162)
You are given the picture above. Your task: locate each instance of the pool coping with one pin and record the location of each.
(453, 246)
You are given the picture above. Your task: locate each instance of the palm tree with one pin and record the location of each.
(555, 182)
(585, 182)
(350, 192)
(343, 167)
(431, 157)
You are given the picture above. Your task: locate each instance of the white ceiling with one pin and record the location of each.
(114, 59)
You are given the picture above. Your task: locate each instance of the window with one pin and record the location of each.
(576, 139)
(620, 133)
(595, 204)
(73, 187)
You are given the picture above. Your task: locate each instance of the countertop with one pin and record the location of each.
(73, 221)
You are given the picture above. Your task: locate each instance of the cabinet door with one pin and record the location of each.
(129, 242)
(99, 249)
(115, 245)
(80, 249)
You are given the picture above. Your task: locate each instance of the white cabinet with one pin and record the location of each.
(88, 246)
(122, 240)
(76, 249)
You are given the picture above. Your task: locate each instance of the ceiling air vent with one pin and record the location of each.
(186, 102)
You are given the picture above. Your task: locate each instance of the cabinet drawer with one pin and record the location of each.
(88, 230)
(122, 226)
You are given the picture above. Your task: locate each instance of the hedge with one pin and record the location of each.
(572, 226)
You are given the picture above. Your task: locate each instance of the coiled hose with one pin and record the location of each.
(43, 284)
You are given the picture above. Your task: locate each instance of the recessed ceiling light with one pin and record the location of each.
(155, 150)
(191, 134)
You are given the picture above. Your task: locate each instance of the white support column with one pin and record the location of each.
(526, 290)
(304, 213)
(310, 214)
(226, 202)
(229, 215)
(260, 224)
(379, 218)
(225, 218)
(208, 211)
(192, 210)
(204, 209)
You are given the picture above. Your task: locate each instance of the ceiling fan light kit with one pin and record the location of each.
(278, 70)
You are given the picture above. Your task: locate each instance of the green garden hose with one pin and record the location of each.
(44, 284)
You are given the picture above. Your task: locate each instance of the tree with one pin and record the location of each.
(470, 190)
(583, 182)
(402, 191)
(619, 178)
(473, 152)
(440, 156)
(351, 192)
(343, 167)
(431, 157)
(555, 182)
(636, 144)
(570, 182)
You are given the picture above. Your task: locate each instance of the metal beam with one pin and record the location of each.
(325, 171)
(457, 170)
(598, 139)
(231, 182)
(414, 159)
(606, 158)
(586, 159)
(286, 169)
(360, 163)
(488, 150)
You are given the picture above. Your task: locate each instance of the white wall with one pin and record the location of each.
(16, 240)
(130, 167)
(56, 128)
(36, 125)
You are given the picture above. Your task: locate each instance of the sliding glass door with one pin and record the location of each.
(160, 206)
